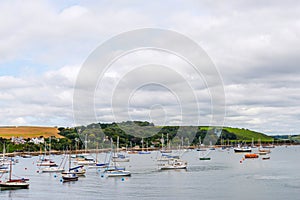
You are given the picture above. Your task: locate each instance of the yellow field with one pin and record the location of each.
(28, 132)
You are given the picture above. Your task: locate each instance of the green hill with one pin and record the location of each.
(242, 134)
(247, 135)
(132, 133)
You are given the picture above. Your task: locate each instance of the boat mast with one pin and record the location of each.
(49, 146)
(70, 160)
(118, 144)
(162, 141)
(97, 153)
(4, 151)
(85, 144)
(10, 168)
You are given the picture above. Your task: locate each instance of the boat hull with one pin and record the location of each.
(172, 167)
(242, 150)
(251, 155)
(116, 173)
(14, 185)
(204, 158)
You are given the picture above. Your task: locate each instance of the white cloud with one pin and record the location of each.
(254, 44)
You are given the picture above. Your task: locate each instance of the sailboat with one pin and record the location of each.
(14, 183)
(173, 163)
(163, 150)
(201, 145)
(55, 168)
(119, 157)
(98, 164)
(168, 162)
(69, 176)
(114, 170)
(43, 161)
(84, 159)
(144, 152)
(204, 156)
(4, 160)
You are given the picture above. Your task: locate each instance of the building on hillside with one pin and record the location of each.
(39, 140)
(18, 140)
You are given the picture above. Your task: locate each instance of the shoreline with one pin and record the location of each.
(83, 151)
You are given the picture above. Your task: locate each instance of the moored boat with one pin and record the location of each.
(240, 149)
(251, 155)
(265, 158)
(67, 177)
(52, 169)
(173, 163)
(114, 172)
(78, 170)
(21, 183)
(204, 158)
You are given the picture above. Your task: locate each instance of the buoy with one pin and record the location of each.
(25, 168)
(102, 175)
(55, 176)
(122, 179)
(241, 161)
(37, 171)
(61, 180)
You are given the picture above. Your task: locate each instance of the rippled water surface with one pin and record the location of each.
(223, 177)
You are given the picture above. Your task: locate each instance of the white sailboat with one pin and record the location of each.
(70, 175)
(44, 161)
(163, 149)
(14, 183)
(119, 157)
(173, 163)
(144, 152)
(114, 170)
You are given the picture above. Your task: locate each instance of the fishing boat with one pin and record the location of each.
(14, 183)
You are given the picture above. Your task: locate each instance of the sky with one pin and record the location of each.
(253, 45)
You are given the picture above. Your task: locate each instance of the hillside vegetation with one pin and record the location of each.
(132, 133)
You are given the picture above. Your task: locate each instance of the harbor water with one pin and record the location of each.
(225, 176)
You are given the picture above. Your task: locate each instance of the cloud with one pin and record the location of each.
(254, 44)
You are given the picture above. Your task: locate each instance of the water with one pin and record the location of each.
(224, 177)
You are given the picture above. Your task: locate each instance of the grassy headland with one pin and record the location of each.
(28, 132)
